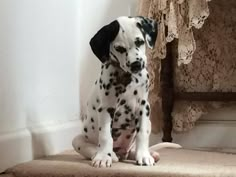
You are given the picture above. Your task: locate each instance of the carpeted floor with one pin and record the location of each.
(173, 163)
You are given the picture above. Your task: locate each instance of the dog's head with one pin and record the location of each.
(123, 41)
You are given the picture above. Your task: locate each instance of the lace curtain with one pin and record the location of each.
(211, 66)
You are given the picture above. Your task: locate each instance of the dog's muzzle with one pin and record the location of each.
(136, 67)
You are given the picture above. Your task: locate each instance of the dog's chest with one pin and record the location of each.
(120, 91)
(113, 81)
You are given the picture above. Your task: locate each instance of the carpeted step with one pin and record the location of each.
(173, 163)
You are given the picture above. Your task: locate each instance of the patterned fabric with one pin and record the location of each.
(177, 17)
(211, 68)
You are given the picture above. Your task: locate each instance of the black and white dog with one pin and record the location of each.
(116, 124)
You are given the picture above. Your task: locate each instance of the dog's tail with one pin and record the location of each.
(164, 145)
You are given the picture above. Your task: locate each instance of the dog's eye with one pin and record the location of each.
(138, 42)
(120, 49)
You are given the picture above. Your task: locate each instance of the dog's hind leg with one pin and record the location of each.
(87, 149)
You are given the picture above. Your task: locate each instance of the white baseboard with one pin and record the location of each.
(15, 147)
(218, 135)
(28, 144)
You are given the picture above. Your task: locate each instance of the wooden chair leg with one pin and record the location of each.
(167, 93)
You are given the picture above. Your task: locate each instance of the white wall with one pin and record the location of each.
(46, 71)
(39, 62)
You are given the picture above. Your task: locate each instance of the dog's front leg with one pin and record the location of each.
(143, 156)
(103, 156)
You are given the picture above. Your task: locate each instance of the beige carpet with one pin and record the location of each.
(173, 163)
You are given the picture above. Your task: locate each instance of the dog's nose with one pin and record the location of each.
(136, 66)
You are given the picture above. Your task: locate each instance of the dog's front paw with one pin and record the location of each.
(144, 158)
(102, 160)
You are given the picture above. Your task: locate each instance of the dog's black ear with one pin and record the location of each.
(100, 43)
(149, 29)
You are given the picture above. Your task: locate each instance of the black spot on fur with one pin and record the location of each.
(122, 102)
(124, 126)
(137, 129)
(115, 130)
(100, 128)
(127, 120)
(115, 133)
(94, 108)
(92, 120)
(106, 93)
(135, 92)
(109, 154)
(143, 102)
(120, 49)
(118, 88)
(85, 129)
(117, 114)
(98, 101)
(93, 127)
(127, 108)
(132, 116)
(136, 121)
(107, 65)
(124, 79)
(108, 86)
(138, 42)
(111, 111)
(136, 80)
(79, 148)
(100, 110)
(126, 112)
(141, 113)
(116, 74)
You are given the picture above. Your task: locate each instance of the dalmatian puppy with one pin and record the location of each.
(116, 123)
